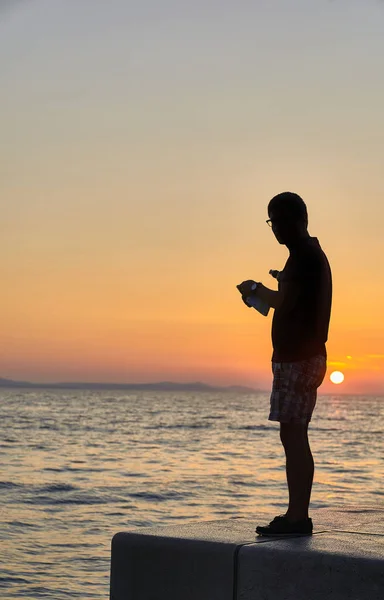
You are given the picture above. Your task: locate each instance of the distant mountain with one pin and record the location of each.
(196, 386)
(11, 383)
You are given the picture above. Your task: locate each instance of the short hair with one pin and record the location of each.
(292, 204)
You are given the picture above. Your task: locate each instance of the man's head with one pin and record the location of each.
(288, 217)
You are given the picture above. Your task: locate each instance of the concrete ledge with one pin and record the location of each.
(226, 560)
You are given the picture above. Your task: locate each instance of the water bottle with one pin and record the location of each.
(255, 302)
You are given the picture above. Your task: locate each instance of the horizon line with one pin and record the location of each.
(16, 383)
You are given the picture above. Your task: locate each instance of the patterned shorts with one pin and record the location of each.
(294, 389)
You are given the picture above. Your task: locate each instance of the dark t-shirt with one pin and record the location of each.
(300, 325)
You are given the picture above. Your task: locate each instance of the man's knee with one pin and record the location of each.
(294, 434)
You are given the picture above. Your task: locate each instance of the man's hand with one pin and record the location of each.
(245, 287)
(274, 299)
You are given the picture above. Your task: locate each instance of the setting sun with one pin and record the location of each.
(337, 377)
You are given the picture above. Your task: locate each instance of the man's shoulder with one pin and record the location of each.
(309, 260)
(311, 252)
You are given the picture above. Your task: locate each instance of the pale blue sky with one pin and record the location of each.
(252, 75)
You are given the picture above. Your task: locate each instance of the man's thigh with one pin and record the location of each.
(294, 390)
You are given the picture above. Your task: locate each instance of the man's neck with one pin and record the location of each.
(292, 244)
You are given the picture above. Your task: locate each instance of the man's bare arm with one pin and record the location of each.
(287, 295)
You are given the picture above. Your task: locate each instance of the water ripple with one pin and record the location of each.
(83, 465)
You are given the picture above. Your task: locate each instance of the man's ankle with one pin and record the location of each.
(293, 518)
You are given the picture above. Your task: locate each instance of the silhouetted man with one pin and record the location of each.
(299, 333)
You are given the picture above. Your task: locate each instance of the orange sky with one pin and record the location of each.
(138, 155)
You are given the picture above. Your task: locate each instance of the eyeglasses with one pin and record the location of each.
(270, 222)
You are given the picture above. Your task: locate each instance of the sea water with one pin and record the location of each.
(79, 466)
